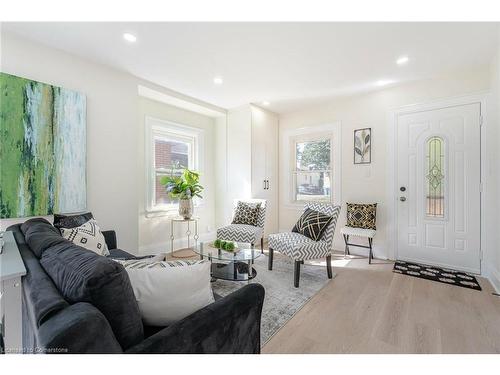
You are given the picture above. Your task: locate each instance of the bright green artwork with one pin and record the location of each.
(42, 148)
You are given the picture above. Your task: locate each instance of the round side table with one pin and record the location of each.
(188, 232)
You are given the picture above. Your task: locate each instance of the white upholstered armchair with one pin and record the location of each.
(300, 248)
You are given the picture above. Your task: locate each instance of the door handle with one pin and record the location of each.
(264, 184)
(267, 185)
(402, 199)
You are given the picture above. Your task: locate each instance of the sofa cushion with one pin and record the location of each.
(169, 291)
(39, 234)
(71, 221)
(83, 276)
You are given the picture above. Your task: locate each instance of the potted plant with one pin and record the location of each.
(183, 187)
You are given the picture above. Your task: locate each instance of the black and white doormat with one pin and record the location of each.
(442, 275)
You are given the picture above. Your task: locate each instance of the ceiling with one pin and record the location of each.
(291, 65)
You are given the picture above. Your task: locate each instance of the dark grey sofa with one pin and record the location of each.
(75, 301)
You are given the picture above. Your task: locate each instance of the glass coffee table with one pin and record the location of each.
(230, 265)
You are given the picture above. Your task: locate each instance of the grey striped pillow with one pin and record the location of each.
(145, 263)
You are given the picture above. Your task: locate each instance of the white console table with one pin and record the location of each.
(11, 271)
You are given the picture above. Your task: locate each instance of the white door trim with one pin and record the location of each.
(392, 177)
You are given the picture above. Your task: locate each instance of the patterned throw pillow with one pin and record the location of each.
(148, 263)
(312, 224)
(88, 236)
(246, 213)
(361, 215)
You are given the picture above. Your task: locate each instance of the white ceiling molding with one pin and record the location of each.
(181, 102)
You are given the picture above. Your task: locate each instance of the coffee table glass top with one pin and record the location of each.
(243, 252)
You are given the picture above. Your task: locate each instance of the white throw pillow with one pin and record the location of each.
(87, 235)
(169, 291)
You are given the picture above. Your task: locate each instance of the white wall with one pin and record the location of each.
(154, 231)
(112, 117)
(367, 183)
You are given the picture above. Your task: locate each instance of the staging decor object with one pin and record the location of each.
(363, 146)
(167, 292)
(312, 224)
(362, 215)
(301, 248)
(361, 222)
(87, 235)
(183, 187)
(246, 213)
(42, 148)
(441, 275)
(246, 232)
(188, 232)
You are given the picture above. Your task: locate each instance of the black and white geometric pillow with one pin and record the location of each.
(246, 213)
(87, 235)
(312, 224)
(362, 215)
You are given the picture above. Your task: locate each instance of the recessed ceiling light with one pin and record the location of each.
(129, 37)
(266, 103)
(402, 60)
(383, 82)
(218, 80)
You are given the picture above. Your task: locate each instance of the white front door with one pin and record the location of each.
(438, 176)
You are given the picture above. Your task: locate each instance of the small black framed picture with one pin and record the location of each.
(363, 146)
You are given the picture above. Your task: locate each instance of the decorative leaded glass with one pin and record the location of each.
(435, 177)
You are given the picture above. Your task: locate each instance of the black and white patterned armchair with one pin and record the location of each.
(300, 248)
(244, 232)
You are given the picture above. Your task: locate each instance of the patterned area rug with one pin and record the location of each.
(282, 300)
(442, 275)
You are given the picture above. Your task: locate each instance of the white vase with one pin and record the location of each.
(186, 208)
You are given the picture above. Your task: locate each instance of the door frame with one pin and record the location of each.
(392, 193)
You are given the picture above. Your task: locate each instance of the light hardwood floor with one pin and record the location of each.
(370, 309)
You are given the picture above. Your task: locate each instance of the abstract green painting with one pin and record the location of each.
(42, 148)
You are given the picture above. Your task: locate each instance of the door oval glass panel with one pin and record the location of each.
(435, 177)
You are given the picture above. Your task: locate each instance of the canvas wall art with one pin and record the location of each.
(363, 146)
(42, 148)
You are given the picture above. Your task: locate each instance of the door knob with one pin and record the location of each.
(402, 199)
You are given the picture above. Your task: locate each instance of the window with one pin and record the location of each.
(169, 149)
(434, 181)
(312, 175)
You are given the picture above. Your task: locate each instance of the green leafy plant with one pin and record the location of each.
(185, 186)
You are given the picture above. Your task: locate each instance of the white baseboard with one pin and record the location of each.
(493, 275)
(164, 247)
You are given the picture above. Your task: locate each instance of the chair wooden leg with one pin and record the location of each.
(296, 274)
(262, 245)
(270, 260)
(329, 266)
(370, 255)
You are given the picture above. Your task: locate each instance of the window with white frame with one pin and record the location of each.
(312, 171)
(170, 149)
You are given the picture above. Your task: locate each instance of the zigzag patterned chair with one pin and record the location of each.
(300, 248)
(243, 232)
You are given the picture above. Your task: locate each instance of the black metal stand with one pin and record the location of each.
(347, 244)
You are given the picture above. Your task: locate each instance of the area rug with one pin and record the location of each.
(442, 275)
(282, 300)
